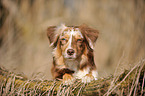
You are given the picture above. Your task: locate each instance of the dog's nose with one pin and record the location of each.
(70, 51)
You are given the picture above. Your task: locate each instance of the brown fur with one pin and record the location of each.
(89, 32)
(83, 48)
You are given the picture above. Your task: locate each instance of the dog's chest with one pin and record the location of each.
(72, 64)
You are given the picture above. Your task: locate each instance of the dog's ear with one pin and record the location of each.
(90, 35)
(53, 33)
(53, 38)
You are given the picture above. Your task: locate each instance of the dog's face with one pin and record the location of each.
(71, 42)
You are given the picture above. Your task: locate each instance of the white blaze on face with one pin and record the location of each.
(70, 39)
(72, 33)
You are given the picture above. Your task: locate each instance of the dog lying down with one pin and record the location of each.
(73, 53)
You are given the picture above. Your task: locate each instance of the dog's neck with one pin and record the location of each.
(72, 64)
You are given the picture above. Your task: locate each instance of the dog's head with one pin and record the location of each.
(72, 42)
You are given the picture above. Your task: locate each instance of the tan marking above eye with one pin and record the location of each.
(78, 39)
(64, 39)
(78, 36)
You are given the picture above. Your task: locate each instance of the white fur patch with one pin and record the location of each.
(87, 79)
(91, 44)
(86, 76)
(95, 74)
(80, 33)
(74, 32)
(81, 73)
(70, 39)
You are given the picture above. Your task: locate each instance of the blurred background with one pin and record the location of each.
(24, 47)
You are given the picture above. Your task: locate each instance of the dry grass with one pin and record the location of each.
(24, 44)
(127, 83)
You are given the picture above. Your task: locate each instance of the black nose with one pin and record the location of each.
(70, 51)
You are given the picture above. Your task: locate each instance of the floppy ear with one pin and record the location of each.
(90, 35)
(53, 34)
(53, 38)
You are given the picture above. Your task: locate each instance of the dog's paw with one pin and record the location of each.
(67, 79)
(87, 78)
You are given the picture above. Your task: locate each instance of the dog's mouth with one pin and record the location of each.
(70, 57)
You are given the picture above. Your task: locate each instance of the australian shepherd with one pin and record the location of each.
(73, 52)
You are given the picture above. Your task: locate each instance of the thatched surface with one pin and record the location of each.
(130, 82)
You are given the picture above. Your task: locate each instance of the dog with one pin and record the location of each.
(73, 52)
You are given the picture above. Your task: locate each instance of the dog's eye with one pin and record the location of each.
(63, 39)
(79, 40)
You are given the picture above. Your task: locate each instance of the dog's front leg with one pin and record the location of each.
(67, 79)
(86, 75)
(67, 76)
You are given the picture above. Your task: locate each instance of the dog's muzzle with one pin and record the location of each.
(70, 52)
